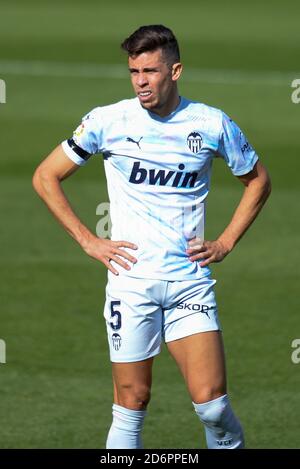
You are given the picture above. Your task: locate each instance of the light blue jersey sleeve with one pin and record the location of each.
(86, 140)
(235, 148)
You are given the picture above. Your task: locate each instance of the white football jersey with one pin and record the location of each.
(158, 176)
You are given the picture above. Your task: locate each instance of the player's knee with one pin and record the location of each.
(211, 412)
(135, 397)
(206, 394)
(223, 430)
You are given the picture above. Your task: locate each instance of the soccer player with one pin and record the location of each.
(158, 150)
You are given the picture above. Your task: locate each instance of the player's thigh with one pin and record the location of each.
(201, 360)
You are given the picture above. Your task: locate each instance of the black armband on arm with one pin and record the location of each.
(79, 151)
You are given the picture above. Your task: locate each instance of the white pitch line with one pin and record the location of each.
(118, 71)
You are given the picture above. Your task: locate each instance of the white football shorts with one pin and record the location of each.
(140, 313)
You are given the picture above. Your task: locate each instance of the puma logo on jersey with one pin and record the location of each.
(129, 139)
(162, 177)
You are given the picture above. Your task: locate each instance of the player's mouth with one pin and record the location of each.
(144, 95)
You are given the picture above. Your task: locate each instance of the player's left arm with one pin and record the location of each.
(257, 189)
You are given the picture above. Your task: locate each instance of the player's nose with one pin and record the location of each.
(142, 80)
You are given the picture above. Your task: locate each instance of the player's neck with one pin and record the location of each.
(170, 106)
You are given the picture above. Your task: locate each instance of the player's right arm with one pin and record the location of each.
(47, 181)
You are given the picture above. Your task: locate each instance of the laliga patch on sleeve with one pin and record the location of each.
(79, 131)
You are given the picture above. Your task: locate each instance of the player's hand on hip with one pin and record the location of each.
(206, 251)
(106, 250)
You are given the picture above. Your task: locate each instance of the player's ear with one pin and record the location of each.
(176, 71)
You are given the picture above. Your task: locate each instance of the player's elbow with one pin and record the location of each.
(37, 180)
(266, 186)
(262, 182)
(40, 180)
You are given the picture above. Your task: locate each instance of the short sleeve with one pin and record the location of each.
(235, 148)
(86, 139)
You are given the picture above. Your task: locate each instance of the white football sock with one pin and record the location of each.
(125, 431)
(222, 428)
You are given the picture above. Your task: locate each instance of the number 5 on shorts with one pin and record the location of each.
(115, 316)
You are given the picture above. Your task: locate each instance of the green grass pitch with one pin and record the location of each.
(55, 389)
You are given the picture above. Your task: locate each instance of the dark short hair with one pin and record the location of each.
(150, 38)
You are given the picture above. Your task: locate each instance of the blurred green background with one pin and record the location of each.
(55, 389)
